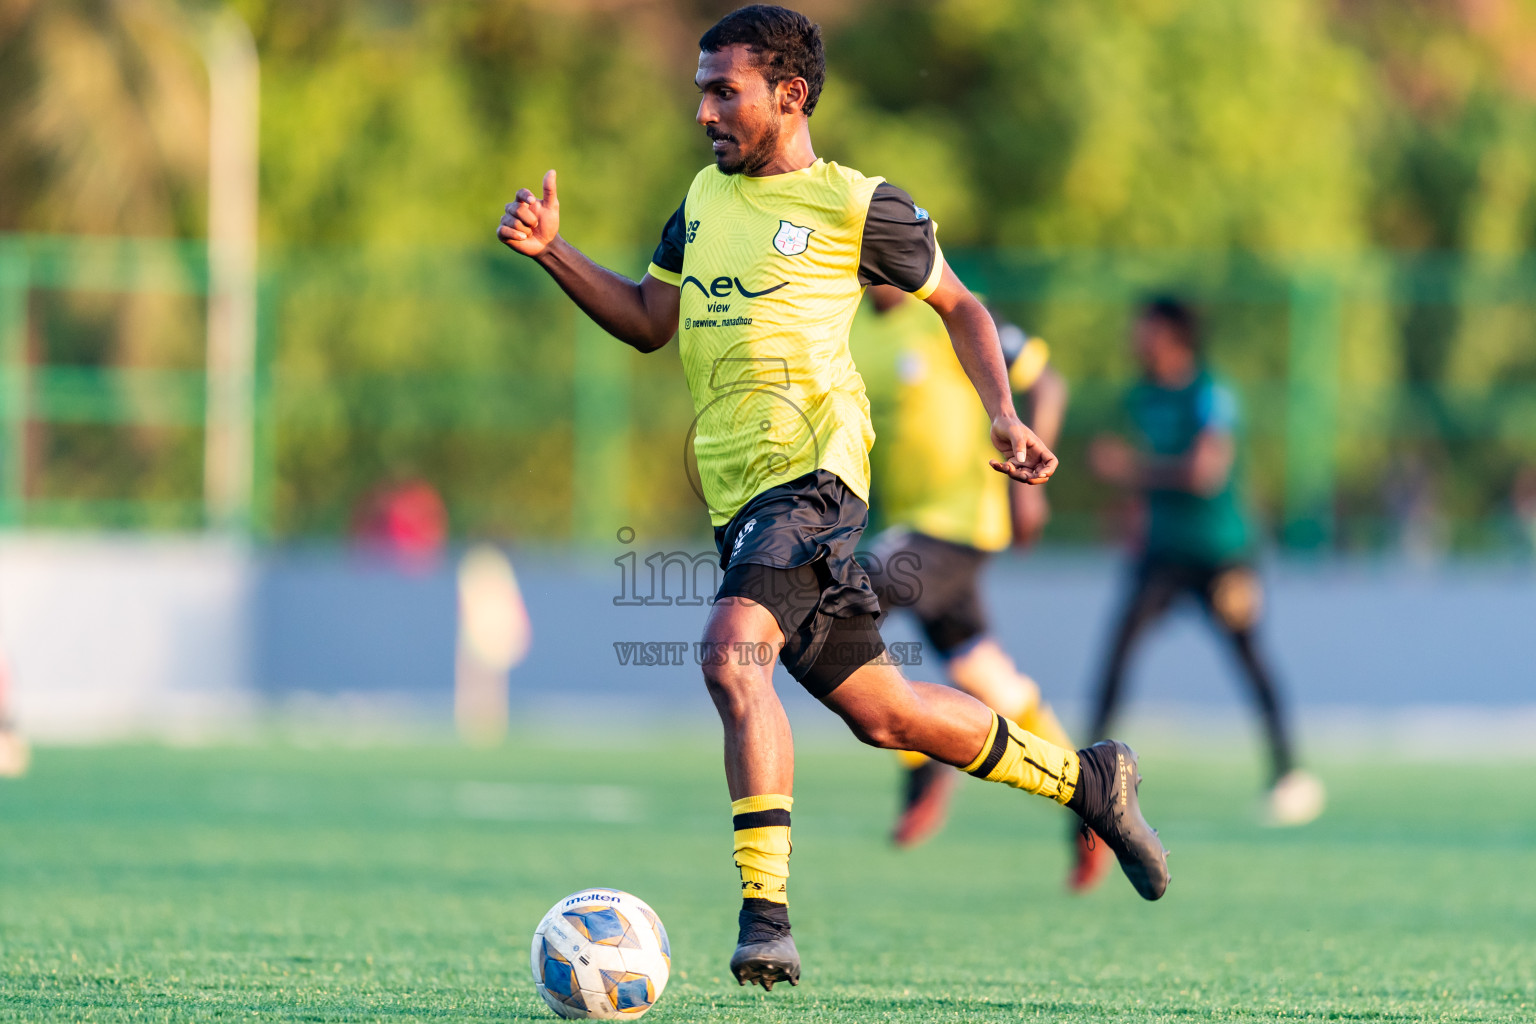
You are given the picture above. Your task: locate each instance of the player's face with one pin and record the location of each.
(1158, 349)
(739, 111)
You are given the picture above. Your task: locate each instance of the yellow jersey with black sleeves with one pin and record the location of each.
(930, 465)
(771, 270)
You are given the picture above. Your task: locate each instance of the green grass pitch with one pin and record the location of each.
(272, 883)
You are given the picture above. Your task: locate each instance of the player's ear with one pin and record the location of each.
(792, 96)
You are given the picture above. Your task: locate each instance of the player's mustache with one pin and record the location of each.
(719, 136)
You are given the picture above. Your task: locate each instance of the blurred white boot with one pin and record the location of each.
(1297, 798)
(15, 754)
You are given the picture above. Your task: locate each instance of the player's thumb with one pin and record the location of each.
(549, 186)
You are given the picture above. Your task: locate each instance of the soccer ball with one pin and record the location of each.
(601, 953)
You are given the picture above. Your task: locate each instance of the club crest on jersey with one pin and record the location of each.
(792, 239)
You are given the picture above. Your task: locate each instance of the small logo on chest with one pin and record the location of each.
(792, 239)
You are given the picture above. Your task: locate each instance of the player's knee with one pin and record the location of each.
(1237, 599)
(734, 688)
(881, 727)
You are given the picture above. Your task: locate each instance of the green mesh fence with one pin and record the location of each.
(1388, 399)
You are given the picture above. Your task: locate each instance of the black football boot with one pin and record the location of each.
(765, 952)
(1107, 802)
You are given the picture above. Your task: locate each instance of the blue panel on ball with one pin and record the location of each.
(559, 978)
(603, 925)
(661, 933)
(632, 994)
(553, 953)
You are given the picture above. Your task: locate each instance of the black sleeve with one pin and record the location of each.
(669, 253)
(899, 247)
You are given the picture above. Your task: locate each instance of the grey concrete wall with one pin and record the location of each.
(108, 636)
(1351, 634)
(111, 636)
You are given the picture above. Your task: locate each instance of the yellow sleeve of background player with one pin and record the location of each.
(1030, 365)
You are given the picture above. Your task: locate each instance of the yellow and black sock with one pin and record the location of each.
(762, 845)
(1025, 761)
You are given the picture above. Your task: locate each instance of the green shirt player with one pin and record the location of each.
(762, 266)
(1197, 538)
(947, 514)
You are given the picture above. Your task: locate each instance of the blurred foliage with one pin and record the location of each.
(1074, 154)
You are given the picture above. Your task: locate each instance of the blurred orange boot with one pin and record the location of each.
(1091, 860)
(928, 786)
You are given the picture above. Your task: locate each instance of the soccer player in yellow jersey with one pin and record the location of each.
(947, 514)
(762, 267)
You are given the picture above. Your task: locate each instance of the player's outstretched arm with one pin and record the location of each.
(1202, 470)
(643, 315)
(974, 337)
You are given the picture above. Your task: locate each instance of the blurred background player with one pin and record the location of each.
(405, 522)
(1197, 538)
(947, 513)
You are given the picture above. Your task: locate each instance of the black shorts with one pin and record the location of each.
(1228, 591)
(791, 549)
(938, 581)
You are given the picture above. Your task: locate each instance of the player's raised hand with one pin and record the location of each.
(531, 223)
(1025, 456)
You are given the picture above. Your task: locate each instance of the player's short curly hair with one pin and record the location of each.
(786, 44)
(1177, 314)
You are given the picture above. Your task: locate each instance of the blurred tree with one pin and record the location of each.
(104, 131)
(1452, 161)
(1203, 143)
(105, 113)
